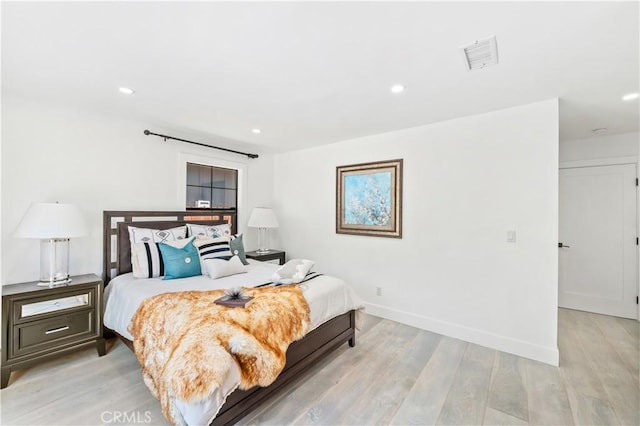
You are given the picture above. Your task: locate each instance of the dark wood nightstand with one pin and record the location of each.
(39, 323)
(266, 257)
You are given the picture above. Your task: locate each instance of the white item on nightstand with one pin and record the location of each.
(262, 218)
(54, 224)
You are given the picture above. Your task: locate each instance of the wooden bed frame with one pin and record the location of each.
(301, 355)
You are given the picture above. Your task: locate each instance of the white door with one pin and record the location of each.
(598, 260)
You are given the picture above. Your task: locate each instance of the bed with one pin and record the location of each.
(332, 323)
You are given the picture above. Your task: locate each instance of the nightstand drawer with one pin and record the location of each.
(31, 309)
(41, 335)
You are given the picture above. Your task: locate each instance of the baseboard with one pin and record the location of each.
(501, 343)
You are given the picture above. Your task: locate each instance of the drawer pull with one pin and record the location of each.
(56, 330)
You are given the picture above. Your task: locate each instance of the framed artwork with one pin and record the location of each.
(369, 199)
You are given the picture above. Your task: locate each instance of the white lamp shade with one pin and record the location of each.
(52, 220)
(262, 217)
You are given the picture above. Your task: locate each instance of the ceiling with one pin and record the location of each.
(311, 73)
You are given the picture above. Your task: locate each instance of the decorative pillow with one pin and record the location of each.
(146, 259)
(180, 262)
(213, 231)
(218, 268)
(212, 248)
(237, 248)
(293, 271)
(145, 235)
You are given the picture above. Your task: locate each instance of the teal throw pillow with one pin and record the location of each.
(180, 262)
(237, 248)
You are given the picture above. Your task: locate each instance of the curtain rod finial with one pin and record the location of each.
(146, 132)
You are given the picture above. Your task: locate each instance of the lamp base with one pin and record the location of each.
(58, 283)
(54, 262)
(263, 240)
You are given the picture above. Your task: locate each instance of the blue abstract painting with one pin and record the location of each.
(367, 199)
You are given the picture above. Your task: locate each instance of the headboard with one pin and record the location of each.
(117, 248)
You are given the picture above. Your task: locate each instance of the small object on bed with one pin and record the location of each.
(292, 272)
(234, 298)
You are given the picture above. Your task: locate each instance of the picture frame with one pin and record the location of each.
(369, 199)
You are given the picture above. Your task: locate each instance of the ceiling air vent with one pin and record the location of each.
(481, 53)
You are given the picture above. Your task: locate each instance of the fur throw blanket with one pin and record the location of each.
(186, 344)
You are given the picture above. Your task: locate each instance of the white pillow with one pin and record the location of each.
(146, 259)
(218, 268)
(146, 235)
(293, 271)
(213, 231)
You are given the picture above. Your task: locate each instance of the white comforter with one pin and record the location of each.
(327, 296)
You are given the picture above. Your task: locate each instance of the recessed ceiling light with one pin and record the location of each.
(600, 130)
(397, 88)
(256, 131)
(126, 91)
(630, 96)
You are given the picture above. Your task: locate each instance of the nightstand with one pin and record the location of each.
(39, 323)
(270, 256)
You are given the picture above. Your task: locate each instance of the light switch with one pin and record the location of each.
(511, 236)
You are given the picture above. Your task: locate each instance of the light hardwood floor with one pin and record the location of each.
(396, 374)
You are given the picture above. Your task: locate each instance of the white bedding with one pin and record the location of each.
(327, 296)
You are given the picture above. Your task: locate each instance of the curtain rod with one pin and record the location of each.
(165, 137)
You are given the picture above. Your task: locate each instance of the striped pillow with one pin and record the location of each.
(146, 258)
(212, 248)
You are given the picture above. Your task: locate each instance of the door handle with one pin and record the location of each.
(561, 245)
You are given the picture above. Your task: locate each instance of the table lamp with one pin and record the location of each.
(263, 218)
(53, 224)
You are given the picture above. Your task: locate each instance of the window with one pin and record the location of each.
(212, 188)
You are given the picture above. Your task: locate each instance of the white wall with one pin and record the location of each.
(466, 182)
(99, 163)
(600, 147)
